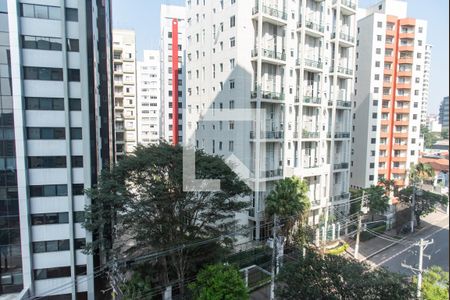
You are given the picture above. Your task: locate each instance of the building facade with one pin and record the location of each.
(149, 98)
(443, 113)
(390, 64)
(125, 104)
(168, 14)
(292, 64)
(56, 137)
(426, 84)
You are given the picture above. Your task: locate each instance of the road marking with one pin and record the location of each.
(437, 251)
(407, 248)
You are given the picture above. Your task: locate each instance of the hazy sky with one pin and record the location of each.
(143, 17)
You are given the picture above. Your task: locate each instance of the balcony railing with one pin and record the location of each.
(313, 63)
(346, 37)
(272, 95)
(342, 103)
(272, 173)
(271, 11)
(312, 25)
(311, 100)
(347, 3)
(342, 196)
(341, 70)
(310, 134)
(270, 54)
(268, 135)
(339, 135)
(339, 166)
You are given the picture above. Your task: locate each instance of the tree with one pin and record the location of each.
(140, 207)
(289, 201)
(388, 184)
(378, 201)
(429, 137)
(217, 282)
(419, 172)
(137, 287)
(434, 284)
(337, 277)
(425, 203)
(444, 134)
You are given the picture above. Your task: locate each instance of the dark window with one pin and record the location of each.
(37, 162)
(71, 14)
(51, 246)
(41, 43)
(50, 218)
(80, 270)
(78, 216)
(370, 177)
(46, 133)
(35, 103)
(75, 133)
(74, 75)
(79, 243)
(77, 189)
(51, 273)
(40, 11)
(77, 161)
(41, 73)
(373, 141)
(73, 45)
(50, 190)
(74, 104)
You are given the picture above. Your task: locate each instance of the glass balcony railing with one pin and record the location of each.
(341, 70)
(268, 95)
(268, 135)
(342, 103)
(271, 11)
(347, 3)
(339, 135)
(339, 166)
(312, 25)
(342, 196)
(270, 54)
(311, 100)
(272, 173)
(310, 134)
(313, 63)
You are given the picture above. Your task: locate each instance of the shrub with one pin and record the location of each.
(338, 250)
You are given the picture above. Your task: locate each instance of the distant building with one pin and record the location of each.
(443, 113)
(432, 123)
(425, 84)
(149, 98)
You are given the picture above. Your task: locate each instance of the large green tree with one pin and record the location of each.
(140, 207)
(336, 277)
(429, 137)
(420, 172)
(434, 284)
(137, 287)
(289, 201)
(219, 282)
(425, 202)
(377, 200)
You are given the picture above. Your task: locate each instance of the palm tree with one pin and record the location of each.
(420, 172)
(289, 201)
(387, 184)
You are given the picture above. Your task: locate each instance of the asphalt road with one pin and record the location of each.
(394, 256)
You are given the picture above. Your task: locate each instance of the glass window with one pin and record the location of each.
(63, 218)
(74, 104)
(38, 247)
(41, 11)
(61, 190)
(72, 14)
(52, 246)
(55, 44)
(73, 45)
(49, 190)
(75, 133)
(63, 245)
(27, 10)
(74, 75)
(51, 218)
(54, 13)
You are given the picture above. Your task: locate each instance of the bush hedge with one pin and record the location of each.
(338, 250)
(365, 236)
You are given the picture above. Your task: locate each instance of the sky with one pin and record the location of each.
(143, 17)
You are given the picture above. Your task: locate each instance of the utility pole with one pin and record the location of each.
(358, 230)
(413, 206)
(274, 257)
(422, 245)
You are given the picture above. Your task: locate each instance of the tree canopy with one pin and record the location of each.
(336, 277)
(218, 282)
(140, 207)
(435, 284)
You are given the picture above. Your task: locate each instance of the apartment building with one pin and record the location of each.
(292, 63)
(169, 115)
(390, 64)
(443, 113)
(55, 138)
(426, 84)
(149, 98)
(125, 107)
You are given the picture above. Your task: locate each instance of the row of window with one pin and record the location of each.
(50, 74)
(55, 190)
(56, 218)
(50, 273)
(38, 162)
(49, 43)
(47, 12)
(41, 103)
(57, 245)
(52, 133)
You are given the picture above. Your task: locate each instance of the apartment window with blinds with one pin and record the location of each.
(40, 11)
(50, 218)
(51, 246)
(42, 73)
(41, 43)
(50, 273)
(49, 190)
(46, 133)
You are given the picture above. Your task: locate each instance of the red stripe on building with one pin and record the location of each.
(175, 81)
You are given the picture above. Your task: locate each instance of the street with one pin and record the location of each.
(404, 252)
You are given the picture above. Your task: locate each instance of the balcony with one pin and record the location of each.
(341, 70)
(339, 135)
(340, 166)
(271, 15)
(343, 196)
(272, 173)
(311, 64)
(347, 7)
(267, 95)
(310, 134)
(312, 100)
(312, 28)
(269, 135)
(347, 40)
(270, 56)
(343, 104)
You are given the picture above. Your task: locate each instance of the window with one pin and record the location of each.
(41, 73)
(378, 37)
(50, 218)
(374, 115)
(49, 273)
(78, 216)
(75, 133)
(40, 11)
(231, 84)
(376, 90)
(71, 14)
(231, 125)
(77, 189)
(372, 153)
(231, 146)
(374, 128)
(373, 141)
(232, 42)
(232, 21)
(50, 190)
(74, 75)
(79, 243)
(51, 246)
(420, 29)
(378, 51)
(74, 104)
(375, 102)
(41, 43)
(377, 76)
(416, 92)
(46, 133)
(377, 64)
(379, 24)
(371, 177)
(231, 104)
(372, 165)
(232, 64)
(419, 42)
(41, 162)
(77, 161)
(34, 103)
(73, 45)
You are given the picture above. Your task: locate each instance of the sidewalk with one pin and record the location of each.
(377, 245)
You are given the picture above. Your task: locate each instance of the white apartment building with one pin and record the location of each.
(390, 64)
(55, 85)
(167, 15)
(426, 84)
(125, 107)
(149, 98)
(292, 59)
